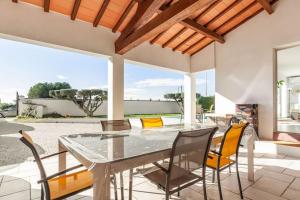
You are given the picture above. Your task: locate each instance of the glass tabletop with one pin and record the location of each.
(111, 146)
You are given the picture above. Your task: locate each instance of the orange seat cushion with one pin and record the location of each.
(213, 161)
(152, 122)
(67, 184)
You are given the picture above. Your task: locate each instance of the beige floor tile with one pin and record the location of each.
(24, 195)
(295, 185)
(292, 172)
(274, 175)
(231, 183)
(270, 185)
(256, 194)
(213, 194)
(13, 187)
(291, 194)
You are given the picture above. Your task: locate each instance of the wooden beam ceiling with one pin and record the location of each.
(202, 30)
(124, 15)
(15, 1)
(266, 5)
(75, 9)
(46, 5)
(174, 37)
(172, 15)
(101, 12)
(145, 11)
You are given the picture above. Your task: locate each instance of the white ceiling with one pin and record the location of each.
(289, 61)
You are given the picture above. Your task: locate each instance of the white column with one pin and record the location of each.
(189, 98)
(115, 88)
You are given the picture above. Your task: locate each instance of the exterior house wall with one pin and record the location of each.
(68, 108)
(26, 21)
(245, 63)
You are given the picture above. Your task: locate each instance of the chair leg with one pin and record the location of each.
(239, 180)
(219, 185)
(130, 183)
(115, 186)
(229, 169)
(122, 185)
(204, 188)
(42, 193)
(213, 176)
(167, 195)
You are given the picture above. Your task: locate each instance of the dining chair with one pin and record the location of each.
(59, 185)
(152, 122)
(175, 175)
(119, 125)
(220, 159)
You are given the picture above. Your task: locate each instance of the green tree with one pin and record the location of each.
(206, 102)
(41, 90)
(4, 106)
(179, 99)
(89, 100)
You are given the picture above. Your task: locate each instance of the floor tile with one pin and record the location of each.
(292, 172)
(291, 194)
(256, 194)
(274, 175)
(24, 195)
(270, 185)
(13, 187)
(231, 183)
(295, 185)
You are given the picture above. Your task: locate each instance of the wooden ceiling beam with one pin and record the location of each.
(207, 10)
(158, 36)
(185, 41)
(202, 30)
(172, 15)
(145, 11)
(193, 45)
(124, 15)
(15, 1)
(266, 5)
(46, 5)
(174, 37)
(100, 12)
(75, 9)
(239, 24)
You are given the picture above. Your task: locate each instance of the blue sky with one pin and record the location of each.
(22, 65)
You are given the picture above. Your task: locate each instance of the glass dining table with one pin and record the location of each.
(106, 153)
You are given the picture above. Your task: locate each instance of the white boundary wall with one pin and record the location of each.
(68, 108)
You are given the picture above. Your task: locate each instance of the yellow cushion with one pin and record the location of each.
(67, 184)
(213, 161)
(152, 122)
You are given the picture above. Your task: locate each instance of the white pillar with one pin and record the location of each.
(115, 88)
(189, 98)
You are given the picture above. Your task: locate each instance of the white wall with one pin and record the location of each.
(31, 22)
(244, 64)
(68, 108)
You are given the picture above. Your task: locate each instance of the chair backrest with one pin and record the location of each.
(115, 125)
(27, 140)
(190, 149)
(232, 138)
(152, 122)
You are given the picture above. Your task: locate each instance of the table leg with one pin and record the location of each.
(62, 158)
(250, 147)
(101, 185)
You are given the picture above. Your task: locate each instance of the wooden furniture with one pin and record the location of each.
(110, 153)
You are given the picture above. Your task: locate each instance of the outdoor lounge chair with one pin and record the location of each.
(218, 160)
(175, 175)
(152, 122)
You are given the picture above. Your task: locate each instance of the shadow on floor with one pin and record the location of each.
(13, 128)
(13, 151)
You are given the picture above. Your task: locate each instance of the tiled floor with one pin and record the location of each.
(277, 177)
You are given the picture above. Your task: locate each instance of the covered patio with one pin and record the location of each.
(237, 38)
